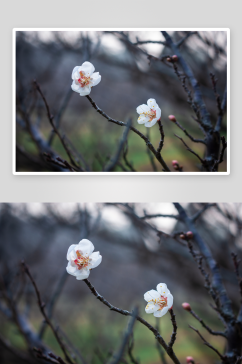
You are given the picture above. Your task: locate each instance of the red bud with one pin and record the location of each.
(174, 162)
(190, 360)
(168, 59)
(189, 235)
(182, 236)
(186, 306)
(174, 58)
(172, 118)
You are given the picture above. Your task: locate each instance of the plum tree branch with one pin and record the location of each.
(168, 349)
(121, 123)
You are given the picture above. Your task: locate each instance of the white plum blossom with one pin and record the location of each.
(81, 259)
(149, 114)
(159, 301)
(84, 78)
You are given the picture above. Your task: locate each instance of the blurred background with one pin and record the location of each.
(135, 260)
(129, 79)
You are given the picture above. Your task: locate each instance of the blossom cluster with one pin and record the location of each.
(81, 259)
(84, 78)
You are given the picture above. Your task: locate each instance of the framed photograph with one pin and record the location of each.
(121, 101)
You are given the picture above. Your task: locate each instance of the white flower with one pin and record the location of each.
(84, 78)
(82, 259)
(149, 114)
(160, 301)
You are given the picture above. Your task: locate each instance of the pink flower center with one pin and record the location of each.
(161, 302)
(81, 261)
(152, 114)
(83, 80)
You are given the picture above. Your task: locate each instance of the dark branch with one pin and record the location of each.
(169, 351)
(223, 358)
(121, 123)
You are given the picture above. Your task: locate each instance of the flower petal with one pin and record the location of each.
(151, 307)
(161, 312)
(96, 78)
(142, 109)
(82, 274)
(75, 72)
(69, 251)
(96, 259)
(162, 289)
(169, 300)
(152, 104)
(151, 295)
(158, 112)
(142, 119)
(149, 124)
(85, 246)
(88, 68)
(71, 270)
(75, 87)
(85, 90)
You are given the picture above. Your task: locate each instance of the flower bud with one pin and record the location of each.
(168, 59)
(189, 235)
(190, 360)
(174, 162)
(174, 58)
(182, 236)
(172, 118)
(186, 306)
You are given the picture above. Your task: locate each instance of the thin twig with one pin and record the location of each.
(121, 123)
(223, 358)
(221, 156)
(203, 162)
(174, 324)
(51, 117)
(119, 355)
(169, 351)
(115, 159)
(42, 309)
(203, 141)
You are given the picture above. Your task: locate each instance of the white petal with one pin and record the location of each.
(151, 307)
(74, 72)
(88, 68)
(75, 87)
(85, 246)
(162, 289)
(71, 270)
(169, 300)
(151, 295)
(152, 104)
(142, 119)
(96, 78)
(161, 312)
(96, 259)
(149, 124)
(142, 109)
(82, 274)
(158, 112)
(85, 90)
(69, 251)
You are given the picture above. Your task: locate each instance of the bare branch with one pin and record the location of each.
(223, 358)
(169, 350)
(42, 309)
(119, 355)
(203, 161)
(121, 123)
(221, 156)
